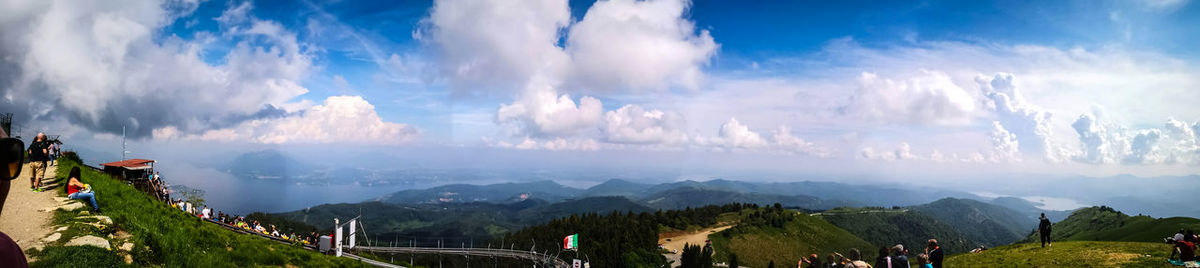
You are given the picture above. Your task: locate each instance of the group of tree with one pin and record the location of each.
(701, 216)
(613, 240)
(774, 216)
(696, 256)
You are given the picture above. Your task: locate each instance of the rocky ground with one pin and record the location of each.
(29, 218)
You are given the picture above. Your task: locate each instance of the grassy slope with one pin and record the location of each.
(165, 236)
(804, 235)
(910, 228)
(1105, 224)
(1068, 254)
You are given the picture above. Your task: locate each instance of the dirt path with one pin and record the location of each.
(22, 218)
(695, 238)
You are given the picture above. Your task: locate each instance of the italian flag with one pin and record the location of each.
(571, 242)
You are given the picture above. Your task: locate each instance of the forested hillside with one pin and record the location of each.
(769, 234)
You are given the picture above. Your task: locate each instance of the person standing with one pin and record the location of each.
(899, 256)
(38, 154)
(1044, 230)
(935, 253)
(53, 152)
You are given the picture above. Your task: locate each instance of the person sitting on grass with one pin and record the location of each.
(76, 189)
(1186, 250)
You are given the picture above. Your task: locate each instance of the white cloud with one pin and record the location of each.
(341, 119)
(1099, 145)
(541, 112)
(496, 44)
(633, 125)
(638, 44)
(734, 135)
(101, 66)
(1104, 142)
(1029, 124)
(1005, 144)
(930, 98)
(618, 44)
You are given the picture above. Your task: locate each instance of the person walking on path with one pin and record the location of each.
(38, 154)
(1044, 230)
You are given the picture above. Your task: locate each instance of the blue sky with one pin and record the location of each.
(1063, 87)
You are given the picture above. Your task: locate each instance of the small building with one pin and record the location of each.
(130, 170)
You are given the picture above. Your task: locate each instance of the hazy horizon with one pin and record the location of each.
(994, 98)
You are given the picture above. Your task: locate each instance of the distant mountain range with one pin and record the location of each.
(678, 195)
(268, 165)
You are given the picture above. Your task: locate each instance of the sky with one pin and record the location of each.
(842, 88)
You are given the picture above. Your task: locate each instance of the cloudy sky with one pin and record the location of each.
(955, 87)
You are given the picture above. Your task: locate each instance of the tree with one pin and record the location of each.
(733, 261)
(771, 264)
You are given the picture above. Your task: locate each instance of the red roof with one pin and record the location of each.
(131, 163)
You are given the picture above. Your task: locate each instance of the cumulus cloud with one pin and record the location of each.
(496, 44)
(1104, 142)
(638, 44)
(340, 119)
(100, 65)
(1029, 124)
(931, 98)
(1005, 144)
(105, 67)
(631, 124)
(542, 112)
(623, 45)
(733, 136)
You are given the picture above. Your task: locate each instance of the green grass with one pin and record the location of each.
(1106, 224)
(163, 236)
(1068, 254)
(756, 246)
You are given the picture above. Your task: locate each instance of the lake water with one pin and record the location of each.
(230, 194)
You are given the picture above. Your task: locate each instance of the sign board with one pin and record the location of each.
(576, 263)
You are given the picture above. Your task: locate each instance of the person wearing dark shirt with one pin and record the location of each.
(1044, 230)
(899, 256)
(38, 154)
(935, 253)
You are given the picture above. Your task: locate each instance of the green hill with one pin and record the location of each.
(492, 193)
(782, 236)
(166, 237)
(1068, 254)
(889, 227)
(457, 222)
(683, 197)
(986, 224)
(1107, 224)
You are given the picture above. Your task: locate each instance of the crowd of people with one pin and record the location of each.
(205, 213)
(889, 257)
